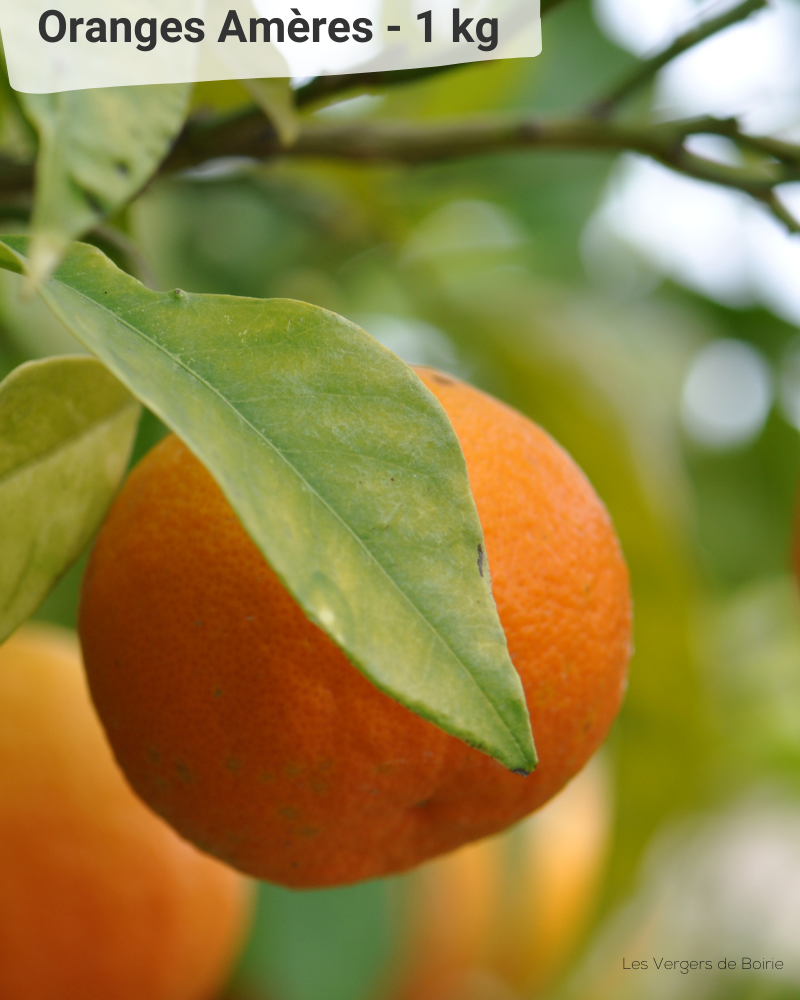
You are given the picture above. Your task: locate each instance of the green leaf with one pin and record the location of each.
(341, 465)
(97, 148)
(66, 431)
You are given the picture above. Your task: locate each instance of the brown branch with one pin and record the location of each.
(413, 143)
(548, 5)
(249, 134)
(648, 69)
(323, 87)
(781, 212)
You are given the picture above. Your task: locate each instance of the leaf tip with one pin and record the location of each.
(526, 759)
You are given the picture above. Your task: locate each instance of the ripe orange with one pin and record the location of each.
(241, 723)
(99, 898)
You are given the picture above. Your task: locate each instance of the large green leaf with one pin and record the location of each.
(341, 465)
(66, 432)
(97, 148)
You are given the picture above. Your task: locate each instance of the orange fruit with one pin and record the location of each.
(100, 899)
(243, 724)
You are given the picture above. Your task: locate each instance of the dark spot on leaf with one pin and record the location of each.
(522, 772)
(122, 168)
(178, 293)
(480, 560)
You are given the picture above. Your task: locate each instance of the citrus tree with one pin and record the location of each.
(296, 219)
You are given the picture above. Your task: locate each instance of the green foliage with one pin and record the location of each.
(370, 519)
(97, 148)
(473, 264)
(334, 943)
(66, 430)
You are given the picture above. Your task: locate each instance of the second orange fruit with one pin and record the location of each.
(243, 724)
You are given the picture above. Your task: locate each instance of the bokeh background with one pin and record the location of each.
(651, 324)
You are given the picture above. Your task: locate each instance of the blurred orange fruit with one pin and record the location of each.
(243, 724)
(100, 899)
(501, 918)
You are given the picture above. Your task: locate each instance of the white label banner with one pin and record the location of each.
(79, 44)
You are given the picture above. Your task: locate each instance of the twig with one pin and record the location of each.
(249, 134)
(648, 69)
(548, 5)
(781, 212)
(411, 142)
(322, 87)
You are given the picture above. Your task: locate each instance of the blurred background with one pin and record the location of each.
(651, 323)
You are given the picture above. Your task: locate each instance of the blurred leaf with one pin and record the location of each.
(30, 327)
(212, 97)
(332, 944)
(276, 100)
(97, 148)
(370, 524)
(66, 431)
(752, 646)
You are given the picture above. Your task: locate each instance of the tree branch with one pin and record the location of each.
(410, 142)
(322, 87)
(648, 69)
(249, 134)
(547, 5)
(781, 212)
